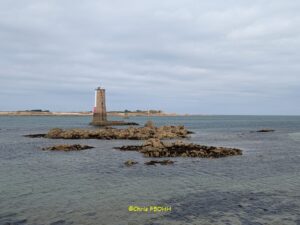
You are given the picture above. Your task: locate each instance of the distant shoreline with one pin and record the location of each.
(118, 114)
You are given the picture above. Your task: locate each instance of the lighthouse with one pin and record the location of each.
(99, 111)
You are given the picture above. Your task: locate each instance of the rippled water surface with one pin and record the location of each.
(94, 187)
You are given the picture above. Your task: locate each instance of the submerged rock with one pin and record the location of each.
(66, 148)
(130, 163)
(163, 162)
(157, 148)
(265, 130)
(133, 133)
(35, 135)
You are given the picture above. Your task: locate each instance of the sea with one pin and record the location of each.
(260, 187)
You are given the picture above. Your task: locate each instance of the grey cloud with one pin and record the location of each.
(151, 54)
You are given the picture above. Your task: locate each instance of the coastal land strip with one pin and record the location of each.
(117, 114)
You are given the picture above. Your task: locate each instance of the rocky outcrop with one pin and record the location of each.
(157, 148)
(149, 123)
(67, 148)
(132, 133)
(162, 162)
(130, 163)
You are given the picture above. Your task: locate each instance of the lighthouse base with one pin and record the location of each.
(112, 123)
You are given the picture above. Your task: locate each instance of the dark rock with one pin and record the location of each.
(132, 124)
(129, 148)
(163, 162)
(35, 135)
(130, 163)
(265, 130)
(66, 148)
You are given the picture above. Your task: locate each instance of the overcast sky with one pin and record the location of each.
(185, 56)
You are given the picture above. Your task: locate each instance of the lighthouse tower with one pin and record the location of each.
(99, 111)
